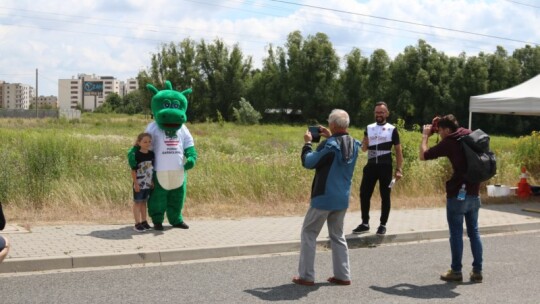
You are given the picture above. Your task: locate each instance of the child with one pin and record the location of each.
(142, 180)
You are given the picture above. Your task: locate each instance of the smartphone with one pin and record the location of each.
(315, 135)
(392, 183)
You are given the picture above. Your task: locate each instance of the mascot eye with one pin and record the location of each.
(175, 106)
(166, 105)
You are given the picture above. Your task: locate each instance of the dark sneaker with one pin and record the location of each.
(146, 226)
(381, 230)
(181, 225)
(158, 226)
(476, 277)
(361, 229)
(452, 276)
(138, 228)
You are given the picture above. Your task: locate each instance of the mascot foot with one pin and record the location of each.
(181, 225)
(158, 226)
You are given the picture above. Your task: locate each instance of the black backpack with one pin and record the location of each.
(481, 162)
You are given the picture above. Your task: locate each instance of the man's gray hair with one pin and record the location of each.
(340, 118)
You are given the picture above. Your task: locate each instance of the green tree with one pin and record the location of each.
(313, 69)
(352, 82)
(146, 96)
(529, 59)
(295, 66)
(267, 89)
(114, 100)
(134, 102)
(499, 69)
(420, 83)
(237, 75)
(176, 63)
(458, 87)
(377, 85)
(223, 75)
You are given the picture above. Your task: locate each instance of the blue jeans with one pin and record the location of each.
(455, 212)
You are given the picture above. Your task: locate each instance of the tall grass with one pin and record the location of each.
(527, 153)
(78, 169)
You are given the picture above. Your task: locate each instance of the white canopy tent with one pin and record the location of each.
(523, 99)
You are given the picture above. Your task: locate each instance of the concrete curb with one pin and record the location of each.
(178, 255)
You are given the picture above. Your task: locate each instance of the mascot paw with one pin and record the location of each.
(190, 163)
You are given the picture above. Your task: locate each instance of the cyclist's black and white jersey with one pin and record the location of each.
(381, 138)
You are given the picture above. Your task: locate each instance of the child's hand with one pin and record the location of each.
(136, 187)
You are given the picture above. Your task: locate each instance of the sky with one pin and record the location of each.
(62, 39)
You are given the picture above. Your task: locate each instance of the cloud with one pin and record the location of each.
(117, 38)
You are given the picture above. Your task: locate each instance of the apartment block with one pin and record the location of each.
(47, 102)
(16, 95)
(90, 91)
(129, 86)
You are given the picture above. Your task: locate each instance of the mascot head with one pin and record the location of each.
(169, 107)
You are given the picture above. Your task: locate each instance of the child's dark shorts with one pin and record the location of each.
(141, 196)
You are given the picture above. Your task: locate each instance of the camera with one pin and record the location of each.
(435, 125)
(315, 134)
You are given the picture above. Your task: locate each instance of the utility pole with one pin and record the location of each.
(36, 94)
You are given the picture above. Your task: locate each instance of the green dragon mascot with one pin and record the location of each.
(175, 153)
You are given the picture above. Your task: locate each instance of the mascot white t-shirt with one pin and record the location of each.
(169, 152)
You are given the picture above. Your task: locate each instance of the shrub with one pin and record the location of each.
(246, 114)
(220, 119)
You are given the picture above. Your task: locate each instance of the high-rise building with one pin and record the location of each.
(90, 91)
(129, 86)
(16, 95)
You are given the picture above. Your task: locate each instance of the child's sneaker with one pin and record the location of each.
(452, 276)
(476, 276)
(146, 225)
(381, 230)
(138, 228)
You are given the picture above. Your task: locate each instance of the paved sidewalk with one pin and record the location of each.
(76, 246)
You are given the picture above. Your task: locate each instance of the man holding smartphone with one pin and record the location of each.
(334, 161)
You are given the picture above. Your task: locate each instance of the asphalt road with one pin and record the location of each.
(401, 273)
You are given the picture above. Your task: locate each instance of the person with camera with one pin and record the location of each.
(334, 161)
(462, 197)
(379, 138)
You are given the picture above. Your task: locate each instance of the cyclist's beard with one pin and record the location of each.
(380, 119)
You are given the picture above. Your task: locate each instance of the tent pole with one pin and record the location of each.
(470, 120)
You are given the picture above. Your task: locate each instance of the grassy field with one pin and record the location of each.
(59, 171)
